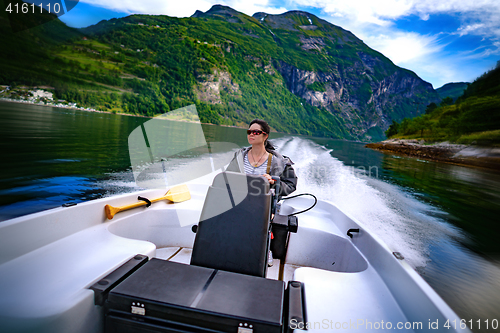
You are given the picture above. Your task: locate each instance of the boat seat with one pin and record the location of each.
(234, 226)
(45, 285)
(339, 300)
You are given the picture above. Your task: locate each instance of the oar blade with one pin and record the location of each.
(178, 193)
(111, 211)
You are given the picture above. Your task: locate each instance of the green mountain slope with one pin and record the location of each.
(453, 90)
(474, 118)
(330, 67)
(302, 74)
(25, 55)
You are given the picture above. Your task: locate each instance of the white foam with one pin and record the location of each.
(404, 223)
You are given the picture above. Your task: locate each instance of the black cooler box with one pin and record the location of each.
(164, 296)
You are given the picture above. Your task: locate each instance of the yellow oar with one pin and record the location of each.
(175, 194)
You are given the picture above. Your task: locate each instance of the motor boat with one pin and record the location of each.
(51, 260)
(150, 262)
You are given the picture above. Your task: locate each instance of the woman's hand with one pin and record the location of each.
(271, 181)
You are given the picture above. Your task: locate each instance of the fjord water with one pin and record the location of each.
(444, 219)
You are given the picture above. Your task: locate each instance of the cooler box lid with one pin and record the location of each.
(195, 290)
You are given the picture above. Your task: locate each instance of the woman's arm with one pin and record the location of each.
(288, 181)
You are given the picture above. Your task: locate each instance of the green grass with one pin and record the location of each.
(317, 86)
(487, 138)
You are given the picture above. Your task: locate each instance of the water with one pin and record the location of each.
(442, 218)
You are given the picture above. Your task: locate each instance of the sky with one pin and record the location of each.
(441, 41)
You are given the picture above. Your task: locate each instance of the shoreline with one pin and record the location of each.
(62, 106)
(463, 155)
(20, 101)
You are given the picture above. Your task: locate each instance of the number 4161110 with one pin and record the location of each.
(26, 8)
(478, 324)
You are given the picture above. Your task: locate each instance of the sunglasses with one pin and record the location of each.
(255, 132)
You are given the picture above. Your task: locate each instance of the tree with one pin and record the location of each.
(393, 129)
(446, 101)
(420, 124)
(404, 127)
(431, 107)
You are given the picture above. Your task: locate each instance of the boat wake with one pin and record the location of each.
(397, 217)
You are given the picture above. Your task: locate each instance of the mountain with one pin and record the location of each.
(453, 90)
(330, 67)
(25, 53)
(302, 74)
(487, 85)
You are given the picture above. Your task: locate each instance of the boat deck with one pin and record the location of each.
(49, 260)
(183, 255)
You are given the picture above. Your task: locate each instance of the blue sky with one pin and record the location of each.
(440, 40)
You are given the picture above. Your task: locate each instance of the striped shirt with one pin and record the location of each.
(250, 169)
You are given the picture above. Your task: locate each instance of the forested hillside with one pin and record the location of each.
(302, 74)
(473, 118)
(452, 90)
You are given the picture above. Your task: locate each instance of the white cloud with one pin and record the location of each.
(425, 55)
(455, 6)
(183, 8)
(420, 53)
(378, 12)
(155, 7)
(479, 17)
(425, 17)
(361, 11)
(255, 6)
(481, 52)
(440, 70)
(402, 47)
(465, 30)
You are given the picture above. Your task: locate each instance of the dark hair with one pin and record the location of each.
(267, 129)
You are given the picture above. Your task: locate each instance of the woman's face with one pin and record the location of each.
(256, 138)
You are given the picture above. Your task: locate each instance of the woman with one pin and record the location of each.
(262, 159)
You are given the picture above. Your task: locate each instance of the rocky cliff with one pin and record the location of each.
(359, 84)
(329, 67)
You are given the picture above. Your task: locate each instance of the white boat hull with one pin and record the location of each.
(49, 260)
